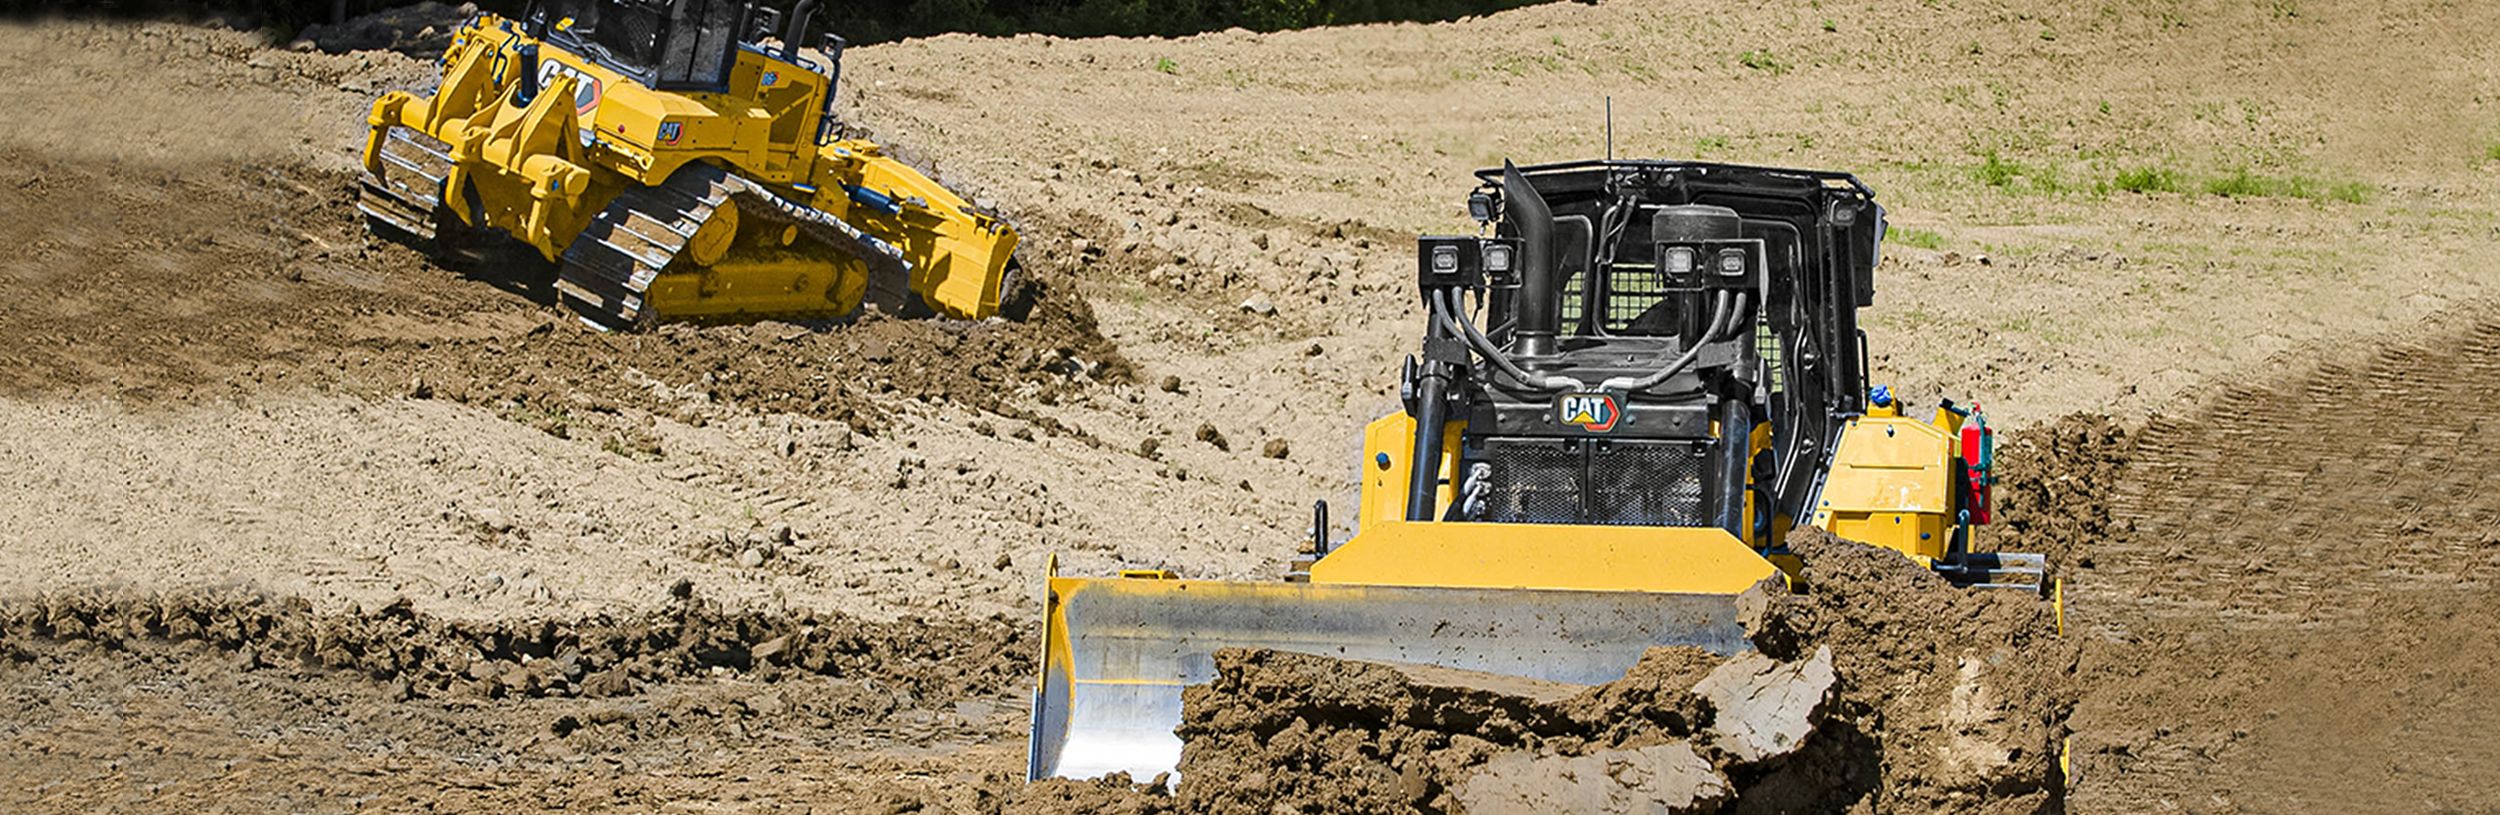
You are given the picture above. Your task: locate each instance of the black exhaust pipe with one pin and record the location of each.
(1540, 301)
(797, 32)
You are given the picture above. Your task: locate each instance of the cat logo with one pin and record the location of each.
(1593, 412)
(586, 91)
(670, 131)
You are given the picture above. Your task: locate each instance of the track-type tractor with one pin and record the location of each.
(1633, 382)
(677, 164)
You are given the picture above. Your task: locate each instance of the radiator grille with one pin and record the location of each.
(1565, 481)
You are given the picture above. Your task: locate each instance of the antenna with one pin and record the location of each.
(1610, 127)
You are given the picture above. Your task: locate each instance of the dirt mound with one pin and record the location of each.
(1279, 731)
(420, 656)
(847, 373)
(2053, 490)
(1950, 700)
(421, 30)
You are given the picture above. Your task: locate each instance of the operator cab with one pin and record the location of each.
(670, 45)
(1615, 339)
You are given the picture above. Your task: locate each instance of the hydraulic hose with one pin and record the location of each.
(1431, 410)
(1446, 311)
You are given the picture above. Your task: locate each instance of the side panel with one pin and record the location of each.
(1891, 485)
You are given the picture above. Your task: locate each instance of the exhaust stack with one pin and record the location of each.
(1540, 303)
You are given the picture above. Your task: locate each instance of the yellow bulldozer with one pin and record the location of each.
(677, 164)
(1634, 381)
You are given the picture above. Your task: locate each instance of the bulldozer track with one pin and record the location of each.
(409, 192)
(608, 270)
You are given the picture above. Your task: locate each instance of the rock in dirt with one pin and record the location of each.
(1213, 437)
(1276, 448)
(1664, 779)
(1766, 708)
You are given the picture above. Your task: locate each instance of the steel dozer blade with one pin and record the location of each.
(1118, 651)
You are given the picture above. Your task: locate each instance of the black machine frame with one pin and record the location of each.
(1812, 240)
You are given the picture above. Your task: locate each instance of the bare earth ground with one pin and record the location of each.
(209, 377)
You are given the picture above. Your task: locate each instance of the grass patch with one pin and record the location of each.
(1762, 61)
(2238, 183)
(1918, 238)
(2146, 180)
(2006, 174)
(1166, 65)
(2241, 183)
(2491, 152)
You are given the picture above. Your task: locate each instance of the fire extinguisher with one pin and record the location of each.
(1979, 455)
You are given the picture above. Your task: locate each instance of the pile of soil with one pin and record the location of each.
(1950, 700)
(422, 656)
(2053, 489)
(1280, 731)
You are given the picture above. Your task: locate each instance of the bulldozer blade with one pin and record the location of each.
(1117, 652)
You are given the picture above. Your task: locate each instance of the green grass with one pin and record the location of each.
(1918, 238)
(1710, 144)
(1166, 65)
(1762, 61)
(2146, 180)
(2491, 152)
(2006, 174)
(2241, 183)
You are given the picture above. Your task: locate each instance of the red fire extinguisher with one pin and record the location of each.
(1979, 454)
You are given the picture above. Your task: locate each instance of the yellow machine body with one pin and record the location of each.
(683, 200)
(1892, 483)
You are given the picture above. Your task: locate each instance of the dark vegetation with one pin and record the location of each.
(868, 21)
